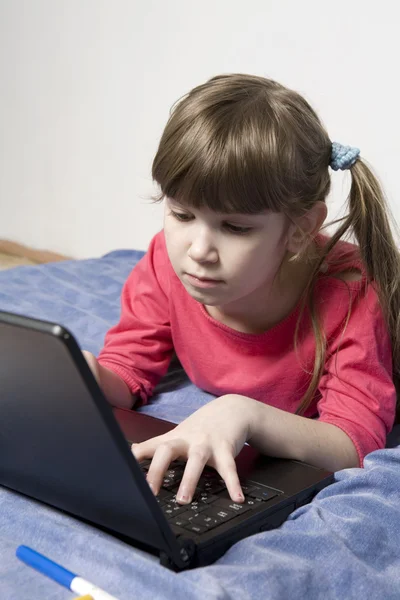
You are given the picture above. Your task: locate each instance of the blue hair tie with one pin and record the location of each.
(343, 157)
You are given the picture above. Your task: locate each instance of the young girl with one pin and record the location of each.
(294, 331)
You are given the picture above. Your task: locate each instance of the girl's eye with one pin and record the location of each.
(181, 216)
(237, 229)
(185, 217)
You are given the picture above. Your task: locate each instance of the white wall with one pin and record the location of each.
(86, 87)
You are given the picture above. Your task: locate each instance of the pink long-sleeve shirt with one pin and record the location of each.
(356, 392)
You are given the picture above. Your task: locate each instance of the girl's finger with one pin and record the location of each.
(146, 449)
(226, 467)
(163, 456)
(197, 458)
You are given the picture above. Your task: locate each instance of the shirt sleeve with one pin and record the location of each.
(357, 389)
(139, 348)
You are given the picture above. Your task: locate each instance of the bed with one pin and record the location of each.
(345, 544)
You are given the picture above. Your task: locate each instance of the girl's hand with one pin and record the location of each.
(93, 364)
(213, 435)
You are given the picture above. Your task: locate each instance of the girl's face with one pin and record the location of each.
(225, 260)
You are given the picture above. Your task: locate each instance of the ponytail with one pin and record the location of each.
(368, 220)
(379, 252)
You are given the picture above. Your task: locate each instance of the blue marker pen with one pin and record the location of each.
(60, 575)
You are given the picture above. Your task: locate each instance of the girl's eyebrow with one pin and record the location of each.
(223, 216)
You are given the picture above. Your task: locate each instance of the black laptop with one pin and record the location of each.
(63, 444)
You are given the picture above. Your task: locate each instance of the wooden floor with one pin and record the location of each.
(14, 255)
(8, 261)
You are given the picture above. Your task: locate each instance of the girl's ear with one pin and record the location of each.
(306, 227)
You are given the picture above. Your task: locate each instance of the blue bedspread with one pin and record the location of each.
(346, 544)
(82, 295)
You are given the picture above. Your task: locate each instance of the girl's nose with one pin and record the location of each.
(203, 250)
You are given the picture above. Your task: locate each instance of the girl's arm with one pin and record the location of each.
(112, 385)
(139, 348)
(279, 433)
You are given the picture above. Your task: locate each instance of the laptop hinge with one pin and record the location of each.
(182, 556)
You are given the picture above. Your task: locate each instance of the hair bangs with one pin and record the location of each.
(227, 168)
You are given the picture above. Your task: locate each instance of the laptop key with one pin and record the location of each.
(207, 497)
(175, 474)
(187, 516)
(179, 522)
(263, 493)
(197, 507)
(198, 519)
(165, 495)
(171, 510)
(249, 500)
(170, 483)
(222, 515)
(247, 488)
(213, 487)
(252, 502)
(230, 505)
(193, 528)
(173, 500)
(205, 521)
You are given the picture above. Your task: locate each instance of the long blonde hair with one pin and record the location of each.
(242, 143)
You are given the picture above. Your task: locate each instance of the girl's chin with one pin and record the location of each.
(204, 296)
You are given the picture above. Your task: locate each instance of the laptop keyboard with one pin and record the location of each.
(211, 505)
